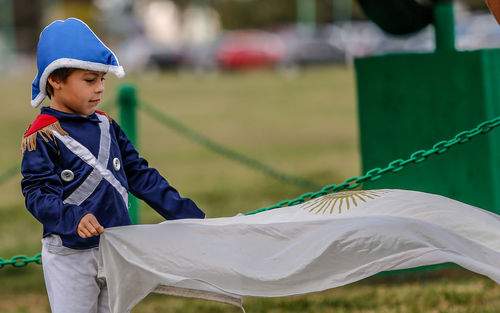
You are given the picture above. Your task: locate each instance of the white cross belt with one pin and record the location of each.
(99, 165)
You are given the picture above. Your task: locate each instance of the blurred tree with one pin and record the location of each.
(81, 9)
(28, 17)
(237, 14)
(264, 13)
(27, 20)
(475, 4)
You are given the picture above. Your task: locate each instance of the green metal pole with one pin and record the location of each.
(306, 16)
(8, 29)
(127, 101)
(444, 26)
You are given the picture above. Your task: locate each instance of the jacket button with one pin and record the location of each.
(67, 175)
(116, 164)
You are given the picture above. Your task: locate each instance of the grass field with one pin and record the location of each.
(305, 126)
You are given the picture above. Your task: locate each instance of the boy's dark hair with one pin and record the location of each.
(60, 75)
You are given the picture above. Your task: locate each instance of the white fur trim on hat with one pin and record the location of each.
(72, 63)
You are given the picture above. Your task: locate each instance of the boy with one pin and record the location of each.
(78, 167)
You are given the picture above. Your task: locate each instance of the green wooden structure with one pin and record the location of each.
(410, 101)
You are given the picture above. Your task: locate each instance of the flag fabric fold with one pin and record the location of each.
(324, 243)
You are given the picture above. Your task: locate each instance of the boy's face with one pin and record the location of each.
(79, 94)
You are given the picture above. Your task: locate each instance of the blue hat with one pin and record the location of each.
(70, 43)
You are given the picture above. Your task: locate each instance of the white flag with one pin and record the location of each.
(324, 243)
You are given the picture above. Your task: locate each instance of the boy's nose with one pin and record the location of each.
(100, 87)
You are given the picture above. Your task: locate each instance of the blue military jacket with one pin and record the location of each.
(88, 165)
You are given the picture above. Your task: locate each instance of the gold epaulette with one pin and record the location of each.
(44, 127)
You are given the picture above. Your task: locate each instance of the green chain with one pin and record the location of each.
(393, 167)
(217, 148)
(350, 183)
(21, 260)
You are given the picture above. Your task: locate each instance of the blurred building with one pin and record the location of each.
(169, 33)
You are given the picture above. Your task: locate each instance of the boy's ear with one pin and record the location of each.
(56, 84)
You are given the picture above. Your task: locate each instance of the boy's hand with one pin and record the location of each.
(89, 226)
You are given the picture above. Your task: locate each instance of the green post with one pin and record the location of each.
(8, 30)
(127, 101)
(306, 15)
(444, 26)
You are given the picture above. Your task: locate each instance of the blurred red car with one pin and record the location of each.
(249, 49)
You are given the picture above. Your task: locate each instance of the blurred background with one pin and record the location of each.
(208, 35)
(240, 93)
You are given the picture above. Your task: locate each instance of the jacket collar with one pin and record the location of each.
(65, 116)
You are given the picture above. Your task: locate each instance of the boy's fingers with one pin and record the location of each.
(91, 229)
(89, 226)
(80, 234)
(83, 232)
(96, 226)
(87, 229)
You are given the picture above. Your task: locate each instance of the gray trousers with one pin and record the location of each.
(71, 278)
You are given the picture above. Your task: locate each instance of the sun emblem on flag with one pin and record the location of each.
(334, 202)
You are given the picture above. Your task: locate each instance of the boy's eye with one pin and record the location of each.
(90, 80)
